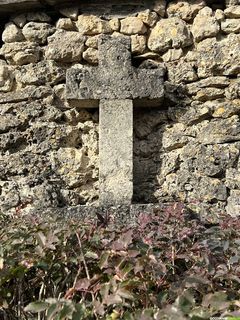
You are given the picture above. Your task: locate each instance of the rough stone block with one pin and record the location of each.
(116, 156)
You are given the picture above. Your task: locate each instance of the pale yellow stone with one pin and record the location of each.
(148, 17)
(12, 33)
(132, 25)
(232, 12)
(92, 25)
(91, 55)
(138, 44)
(219, 15)
(172, 55)
(65, 24)
(184, 9)
(92, 42)
(114, 24)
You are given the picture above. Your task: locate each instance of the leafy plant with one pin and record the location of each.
(170, 265)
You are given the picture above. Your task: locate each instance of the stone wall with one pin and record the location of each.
(187, 150)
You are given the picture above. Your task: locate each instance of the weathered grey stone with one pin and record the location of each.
(169, 33)
(219, 57)
(220, 131)
(232, 11)
(230, 25)
(233, 178)
(65, 46)
(91, 25)
(27, 94)
(213, 82)
(116, 143)
(212, 189)
(226, 109)
(41, 73)
(6, 78)
(233, 203)
(12, 33)
(132, 25)
(181, 71)
(233, 91)
(185, 10)
(115, 64)
(205, 25)
(20, 53)
(37, 31)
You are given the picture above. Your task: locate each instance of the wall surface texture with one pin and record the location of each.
(186, 150)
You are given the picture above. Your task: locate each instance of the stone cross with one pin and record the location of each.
(116, 86)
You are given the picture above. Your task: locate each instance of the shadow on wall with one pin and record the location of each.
(149, 127)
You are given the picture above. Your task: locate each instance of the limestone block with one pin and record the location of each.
(226, 109)
(205, 25)
(233, 91)
(138, 44)
(38, 17)
(92, 25)
(114, 24)
(28, 93)
(20, 53)
(159, 6)
(212, 189)
(116, 157)
(213, 82)
(132, 25)
(148, 17)
(12, 33)
(91, 55)
(233, 178)
(230, 3)
(219, 57)
(65, 46)
(182, 71)
(71, 12)
(169, 33)
(185, 10)
(219, 15)
(40, 74)
(220, 131)
(233, 203)
(230, 26)
(37, 31)
(92, 42)
(65, 24)
(172, 55)
(6, 79)
(232, 12)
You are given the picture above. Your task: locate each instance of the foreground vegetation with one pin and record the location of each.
(171, 265)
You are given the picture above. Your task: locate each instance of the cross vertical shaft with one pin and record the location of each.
(116, 152)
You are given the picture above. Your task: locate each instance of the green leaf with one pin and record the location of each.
(36, 307)
(103, 263)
